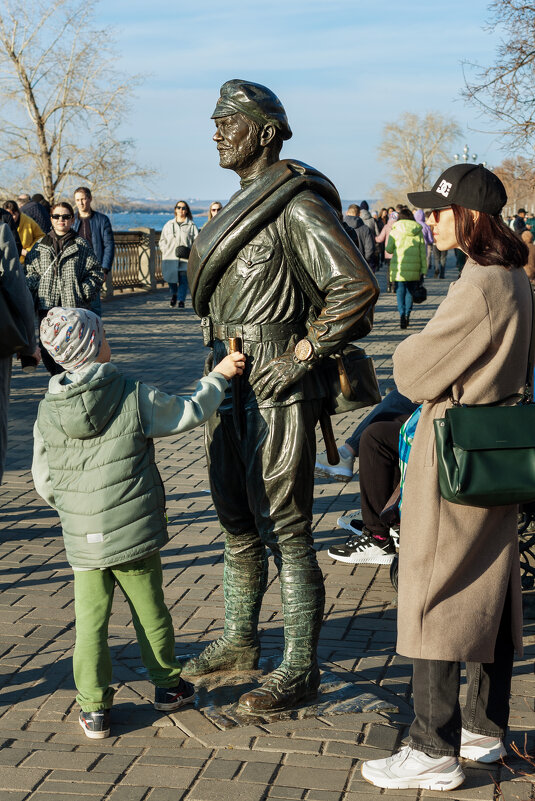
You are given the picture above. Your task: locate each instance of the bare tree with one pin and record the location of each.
(518, 176)
(416, 148)
(505, 91)
(61, 100)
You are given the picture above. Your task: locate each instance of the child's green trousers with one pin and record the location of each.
(141, 583)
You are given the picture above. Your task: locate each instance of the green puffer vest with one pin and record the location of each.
(107, 488)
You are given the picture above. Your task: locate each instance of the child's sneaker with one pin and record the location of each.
(167, 699)
(480, 748)
(96, 725)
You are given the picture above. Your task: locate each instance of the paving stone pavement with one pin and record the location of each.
(153, 757)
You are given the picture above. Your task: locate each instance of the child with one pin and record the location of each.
(94, 463)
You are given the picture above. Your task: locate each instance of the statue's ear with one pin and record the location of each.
(267, 134)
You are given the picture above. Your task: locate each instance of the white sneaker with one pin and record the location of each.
(362, 549)
(353, 522)
(343, 471)
(409, 769)
(480, 748)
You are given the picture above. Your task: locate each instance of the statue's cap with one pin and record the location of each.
(254, 101)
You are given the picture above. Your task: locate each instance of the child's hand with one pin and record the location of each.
(231, 365)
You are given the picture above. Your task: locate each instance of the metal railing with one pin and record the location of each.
(137, 263)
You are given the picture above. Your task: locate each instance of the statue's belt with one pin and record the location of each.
(262, 332)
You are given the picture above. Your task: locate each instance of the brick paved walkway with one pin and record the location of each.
(43, 752)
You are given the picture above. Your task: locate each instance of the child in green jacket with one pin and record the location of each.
(94, 463)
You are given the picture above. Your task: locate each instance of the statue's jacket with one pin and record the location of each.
(279, 266)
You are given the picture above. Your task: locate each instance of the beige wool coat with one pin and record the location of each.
(457, 562)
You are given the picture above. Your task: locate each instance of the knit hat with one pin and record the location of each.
(73, 337)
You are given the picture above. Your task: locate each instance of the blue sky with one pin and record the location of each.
(342, 70)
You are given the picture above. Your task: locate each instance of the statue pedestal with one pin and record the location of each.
(340, 693)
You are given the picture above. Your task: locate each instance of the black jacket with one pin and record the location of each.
(6, 217)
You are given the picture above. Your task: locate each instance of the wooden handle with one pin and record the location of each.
(345, 386)
(333, 457)
(234, 345)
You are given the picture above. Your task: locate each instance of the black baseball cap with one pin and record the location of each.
(469, 185)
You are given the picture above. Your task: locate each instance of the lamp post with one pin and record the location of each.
(466, 156)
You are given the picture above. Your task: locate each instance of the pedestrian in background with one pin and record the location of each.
(13, 286)
(382, 239)
(419, 216)
(37, 208)
(360, 233)
(408, 264)
(214, 209)
(29, 231)
(62, 270)
(95, 228)
(175, 243)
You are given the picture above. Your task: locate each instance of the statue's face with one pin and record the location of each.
(237, 140)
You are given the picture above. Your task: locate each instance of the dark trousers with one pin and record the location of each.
(393, 404)
(436, 728)
(379, 470)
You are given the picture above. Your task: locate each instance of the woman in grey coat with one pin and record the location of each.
(459, 574)
(175, 244)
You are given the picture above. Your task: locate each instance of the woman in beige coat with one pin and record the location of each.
(459, 575)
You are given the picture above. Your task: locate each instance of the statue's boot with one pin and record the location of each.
(244, 584)
(298, 677)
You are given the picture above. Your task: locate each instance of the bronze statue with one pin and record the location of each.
(275, 274)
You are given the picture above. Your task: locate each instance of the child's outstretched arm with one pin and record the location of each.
(163, 415)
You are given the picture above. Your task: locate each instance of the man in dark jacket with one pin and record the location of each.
(37, 209)
(95, 228)
(364, 239)
(519, 222)
(275, 269)
(7, 218)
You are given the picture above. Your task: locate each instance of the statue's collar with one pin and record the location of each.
(248, 211)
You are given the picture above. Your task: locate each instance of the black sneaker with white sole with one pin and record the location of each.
(96, 725)
(363, 549)
(167, 699)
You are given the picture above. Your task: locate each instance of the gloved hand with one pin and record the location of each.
(277, 375)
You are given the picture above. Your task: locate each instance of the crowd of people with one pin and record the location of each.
(459, 589)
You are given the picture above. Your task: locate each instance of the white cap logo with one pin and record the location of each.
(443, 188)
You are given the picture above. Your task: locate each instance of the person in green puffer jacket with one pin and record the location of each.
(94, 463)
(408, 264)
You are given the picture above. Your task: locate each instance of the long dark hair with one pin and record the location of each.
(189, 215)
(488, 240)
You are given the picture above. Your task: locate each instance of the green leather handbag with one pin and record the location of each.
(486, 454)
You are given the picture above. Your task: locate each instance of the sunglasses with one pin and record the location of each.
(61, 216)
(436, 213)
(183, 208)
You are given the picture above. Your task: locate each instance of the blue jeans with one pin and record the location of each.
(404, 297)
(96, 305)
(180, 289)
